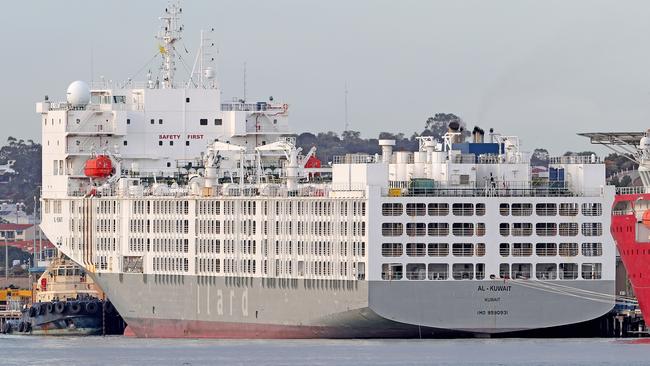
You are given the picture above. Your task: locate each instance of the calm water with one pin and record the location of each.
(17, 350)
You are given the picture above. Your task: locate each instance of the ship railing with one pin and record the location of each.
(489, 189)
(631, 190)
(254, 107)
(575, 159)
(353, 159)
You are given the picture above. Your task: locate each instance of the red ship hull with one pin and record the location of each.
(634, 250)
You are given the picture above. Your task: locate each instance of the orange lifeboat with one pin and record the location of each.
(646, 218)
(98, 167)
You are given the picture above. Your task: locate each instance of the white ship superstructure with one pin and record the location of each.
(202, 218)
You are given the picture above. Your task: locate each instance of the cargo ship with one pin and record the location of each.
(200, 217)
(631, 211)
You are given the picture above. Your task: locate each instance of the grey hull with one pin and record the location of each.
(238, 307)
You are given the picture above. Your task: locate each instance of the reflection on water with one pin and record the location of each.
(25, 350)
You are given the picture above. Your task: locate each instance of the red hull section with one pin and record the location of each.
(635, 254)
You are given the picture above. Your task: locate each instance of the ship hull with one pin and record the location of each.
(237, 307)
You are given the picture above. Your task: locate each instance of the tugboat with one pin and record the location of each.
(67, 302)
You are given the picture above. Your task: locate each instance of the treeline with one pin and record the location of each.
(25, 184)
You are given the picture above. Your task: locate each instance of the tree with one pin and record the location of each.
(540, 157)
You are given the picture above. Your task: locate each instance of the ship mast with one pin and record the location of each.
(169, 34)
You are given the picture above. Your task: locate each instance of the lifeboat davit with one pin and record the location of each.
(98, 167)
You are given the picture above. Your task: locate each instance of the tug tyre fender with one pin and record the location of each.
(21, 327)
(41, 309)
(75, 307)
(33, 311)
(91, 307)
(49, 308)
(59, 307)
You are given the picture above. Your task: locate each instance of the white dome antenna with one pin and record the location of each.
(78, 93)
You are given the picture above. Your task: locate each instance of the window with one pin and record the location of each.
(463, 229)
(480, 271)
(160, 121)
(568, 229)
(152, 121)
(438, 229)
(391, 249)
(416, 209)
(592, 249)
(546, 249)
(504, 229)
(546, 271)
(521, 209)
(391, 209)
(568, 209)
(187, 143)
(462, 209)
(438, 271)
(480, 229)
(521, 270)
(416, 229)
(125, 143)
(203, 121)
(546, 209)
(160, 143)
(480, 209)
(504, 270)
(504, 209)
(171, 143)
(416, 249)
(480, 249)
(218, 121)
(438, 209)
(546, 229)
(462, 249)
(568, 249)
(391, 271)
(128, 121)
(438, 249)
(392, 229)
(504, 249)
(592, 229)
(592, 209)
(592, 271)
(522, 249)
(522, 229)
(568, 271)
(169, 164)
(187, 100)
(416, 271)
(463, 271)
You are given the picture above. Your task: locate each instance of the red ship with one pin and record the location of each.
(631, 212)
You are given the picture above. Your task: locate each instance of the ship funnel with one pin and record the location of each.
(478, 135)
(386, 150)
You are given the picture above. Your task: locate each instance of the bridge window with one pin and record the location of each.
(592, 271)
(391, 249)
(438, 249)
(203, 121)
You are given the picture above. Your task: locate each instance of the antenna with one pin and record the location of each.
(203, 74)
(91, 66)
(347, 124)
(244, 81)
(169, 34)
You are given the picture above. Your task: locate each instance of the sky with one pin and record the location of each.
(542, 70)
